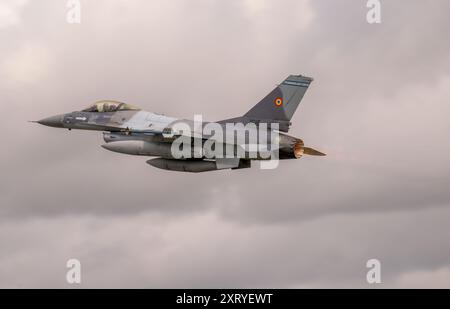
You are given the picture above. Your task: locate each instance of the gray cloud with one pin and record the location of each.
(378, 107)
(204, 250)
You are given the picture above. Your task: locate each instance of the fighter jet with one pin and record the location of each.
(129, 130)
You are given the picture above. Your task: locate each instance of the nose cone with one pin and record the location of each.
(54, 121)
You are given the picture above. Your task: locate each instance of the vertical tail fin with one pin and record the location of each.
(282, 102)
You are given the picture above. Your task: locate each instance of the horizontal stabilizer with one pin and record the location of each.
(312, 152)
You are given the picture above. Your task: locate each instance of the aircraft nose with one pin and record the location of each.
(53, 121)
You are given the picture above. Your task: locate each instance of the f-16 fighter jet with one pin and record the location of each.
(197, 146)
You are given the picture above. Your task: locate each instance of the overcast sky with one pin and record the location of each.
(379, 107)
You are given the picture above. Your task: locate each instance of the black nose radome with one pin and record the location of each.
(54, 121)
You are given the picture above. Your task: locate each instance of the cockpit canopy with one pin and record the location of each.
(106, 106)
